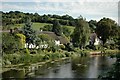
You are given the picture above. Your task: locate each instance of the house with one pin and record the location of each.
(94, 40)
(58, 39)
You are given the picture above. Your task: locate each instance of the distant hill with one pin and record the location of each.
(17, 17)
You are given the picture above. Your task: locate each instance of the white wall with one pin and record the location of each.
(57, 42)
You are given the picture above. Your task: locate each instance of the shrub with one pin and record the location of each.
(67, 54)
(47, 28)
(46, 57)
(62, 47)
(33, 52)
(26, 51)
(21, 39)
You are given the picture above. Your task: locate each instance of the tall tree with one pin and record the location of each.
(106, 29)
(93, 24)
(57, 28)
(28, 31)
(81, 33)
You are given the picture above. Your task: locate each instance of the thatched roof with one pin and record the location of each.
(63, 40)
(93, 36)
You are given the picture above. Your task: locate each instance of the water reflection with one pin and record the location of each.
(79, 67)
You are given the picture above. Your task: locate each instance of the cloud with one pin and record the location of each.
(59, 0)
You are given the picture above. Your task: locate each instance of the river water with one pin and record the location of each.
(78, 67)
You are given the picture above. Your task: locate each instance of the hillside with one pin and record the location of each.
(36, 26)
(17, 17)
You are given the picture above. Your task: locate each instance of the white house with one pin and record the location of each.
(57, 42)
(97, 41)
(94, 40)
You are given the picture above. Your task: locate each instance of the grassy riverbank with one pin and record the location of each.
(41, 57)
(19, 58)
(14, 60)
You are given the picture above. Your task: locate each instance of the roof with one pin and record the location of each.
(93, 36)
(63, 40)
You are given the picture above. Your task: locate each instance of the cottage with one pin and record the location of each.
(58, 39)
(94, 40)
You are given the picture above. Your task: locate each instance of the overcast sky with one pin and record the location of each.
(90, 9)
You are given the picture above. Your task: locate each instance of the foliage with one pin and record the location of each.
(32, 58)
(12, 42)
(22, 39)
(28, 31)
(107, 28)
(33, 52)
(62, 47)
(92, 25)
(117, 40)
(26, 51)
(81, 33)
(44, 39)
(69, 47)
(17, 17)
(67, 31)
(57, 28)
(114, 71)
(47, 28)
(54, 48)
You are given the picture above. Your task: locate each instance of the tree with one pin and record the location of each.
(81, 33)
(67, 31)
(47, 28)
(29, 32)
(93, 24)
(106, 29)
(57, 29)
(12, 42)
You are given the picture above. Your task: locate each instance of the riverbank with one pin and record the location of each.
(16, 60)
(15, 67)
(81, 67)
(103, 52)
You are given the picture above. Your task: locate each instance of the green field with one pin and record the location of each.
(37, 26)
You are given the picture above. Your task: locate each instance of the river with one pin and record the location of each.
(77, 67)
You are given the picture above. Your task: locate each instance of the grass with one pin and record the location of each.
(14, 59)
(35, 26)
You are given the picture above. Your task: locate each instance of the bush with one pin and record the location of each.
(33, 52)
(21, 38)
(26, 51)
(62, 47)
(67, 54)
(36, 58)
(46, 57)
(47, 28)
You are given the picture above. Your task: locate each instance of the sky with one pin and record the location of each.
(89, 9)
